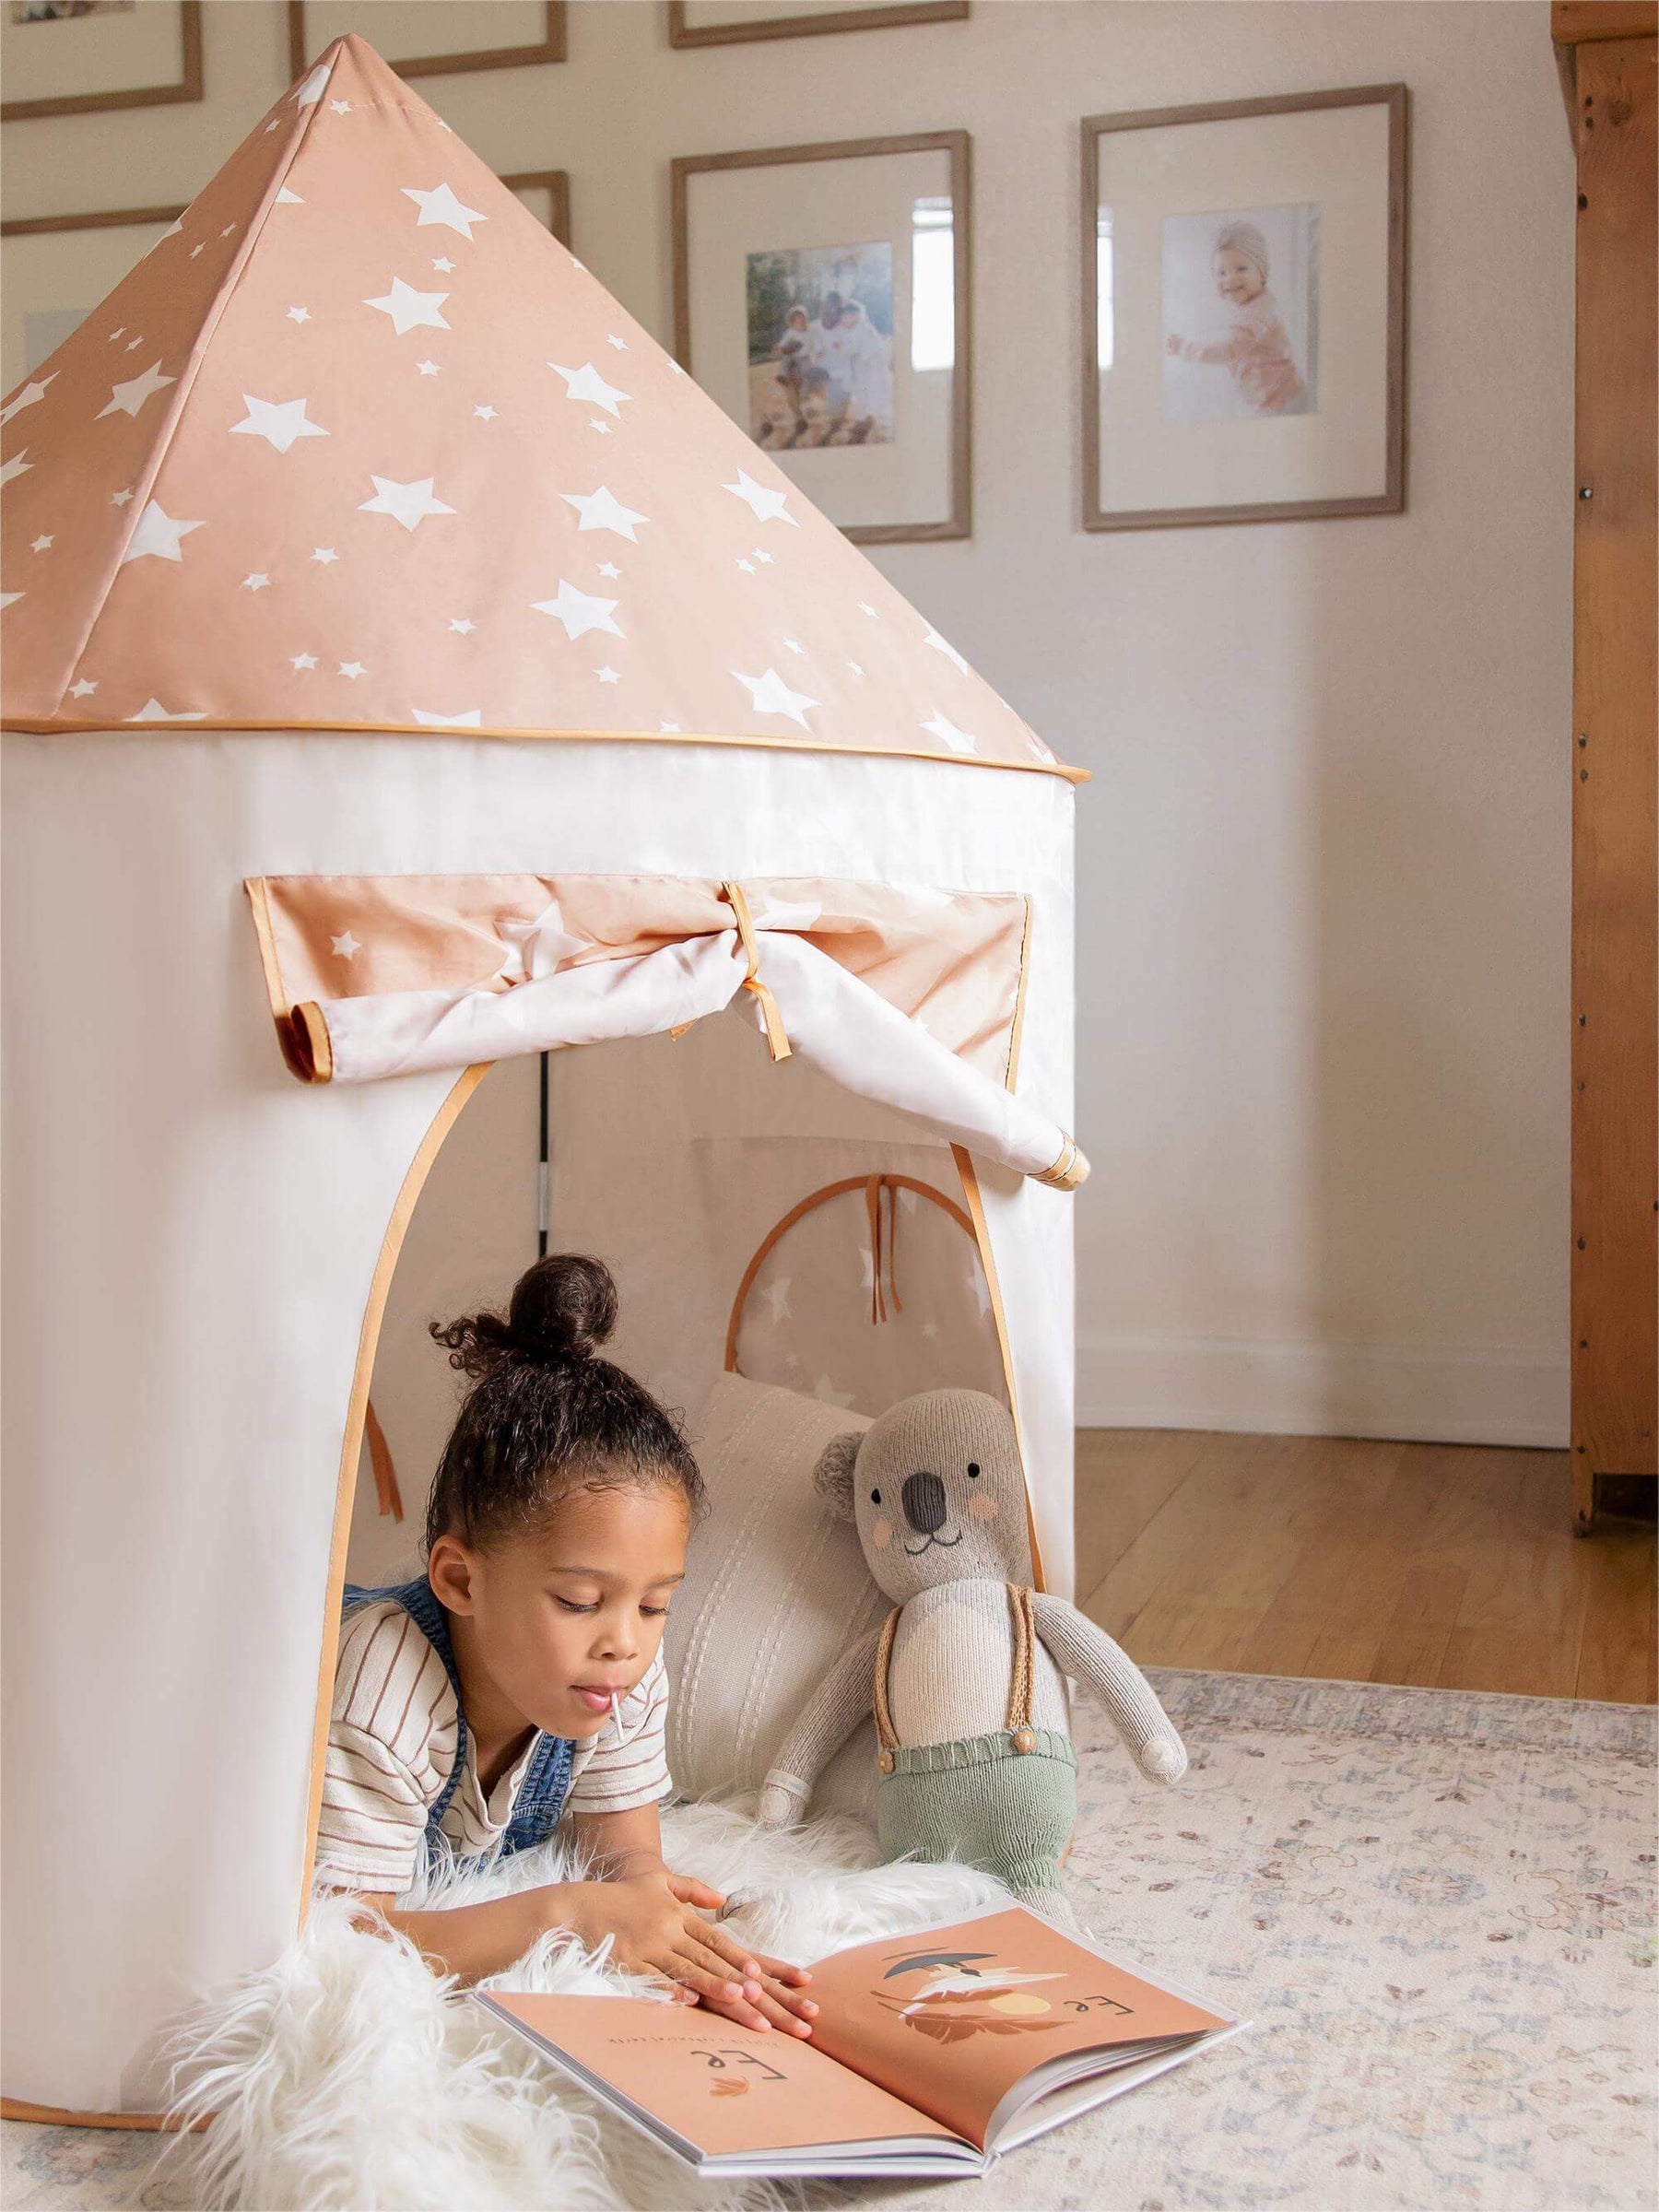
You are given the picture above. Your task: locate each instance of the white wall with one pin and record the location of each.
(1322, 1011)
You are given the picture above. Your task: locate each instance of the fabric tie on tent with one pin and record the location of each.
(777, 1037)
(388, 1497)
(883, 1250)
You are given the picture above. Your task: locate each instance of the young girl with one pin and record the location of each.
(473, 1709)
(1256, 351)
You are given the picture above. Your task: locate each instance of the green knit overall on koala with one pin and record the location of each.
(1006, 1802)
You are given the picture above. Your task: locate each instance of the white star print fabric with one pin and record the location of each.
(359, 444)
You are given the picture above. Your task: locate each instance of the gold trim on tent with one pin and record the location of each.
(981, 1233)
(59, 726)
(1070, 1167)
(357, 1416)
(56, 2115)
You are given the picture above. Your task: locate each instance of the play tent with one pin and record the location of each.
(406, 668)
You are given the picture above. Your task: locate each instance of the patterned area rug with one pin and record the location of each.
(1437, 1907)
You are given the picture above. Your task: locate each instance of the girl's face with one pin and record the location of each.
(559, 1619)
(1238, 277)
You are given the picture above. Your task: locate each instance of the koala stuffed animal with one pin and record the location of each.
(975, 1760)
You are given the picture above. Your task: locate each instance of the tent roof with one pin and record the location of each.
(358, 446)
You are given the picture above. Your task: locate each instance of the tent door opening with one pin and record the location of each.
(750, 1211)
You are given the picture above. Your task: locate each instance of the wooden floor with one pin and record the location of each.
(1441, 1565)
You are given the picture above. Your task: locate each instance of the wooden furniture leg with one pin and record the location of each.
(1607, 51)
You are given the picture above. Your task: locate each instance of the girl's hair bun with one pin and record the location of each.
(563, 1307)
(562, 1310)
(546, 1415)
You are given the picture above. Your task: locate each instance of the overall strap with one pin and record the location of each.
(419, 1602)
(887, 1735)
(547, 1784)
(541, 1795)
(422, 1608)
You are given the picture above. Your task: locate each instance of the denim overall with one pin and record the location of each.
(547, 1781)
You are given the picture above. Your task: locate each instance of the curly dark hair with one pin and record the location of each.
(546, 1415)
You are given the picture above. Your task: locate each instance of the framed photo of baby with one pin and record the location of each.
(1243, 273)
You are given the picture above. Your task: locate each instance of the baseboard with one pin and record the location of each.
(1413, 1394)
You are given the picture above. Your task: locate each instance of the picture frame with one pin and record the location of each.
(531, 31)
(822, 296)
(735, 22)
(547, 193)
(47, 289)
(120, 54)
(1243, 271)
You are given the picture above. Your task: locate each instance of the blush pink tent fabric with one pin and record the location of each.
(358, 446)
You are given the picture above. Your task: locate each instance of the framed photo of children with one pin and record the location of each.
(1243, 273)
(820, 295)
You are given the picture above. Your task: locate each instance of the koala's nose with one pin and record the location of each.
(925, 1505)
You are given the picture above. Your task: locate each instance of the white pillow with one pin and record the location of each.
(774, 1592)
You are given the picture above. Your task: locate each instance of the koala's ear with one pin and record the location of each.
(832, 1478)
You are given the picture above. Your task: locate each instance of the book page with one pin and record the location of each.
(953, 2018)
(721, 2088)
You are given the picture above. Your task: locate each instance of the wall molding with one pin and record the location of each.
(1418, 1394)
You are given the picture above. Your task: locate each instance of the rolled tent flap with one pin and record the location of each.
(910, 997)
(407, 1033)
(842, 1028)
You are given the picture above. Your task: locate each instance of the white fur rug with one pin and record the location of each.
(346, 2076)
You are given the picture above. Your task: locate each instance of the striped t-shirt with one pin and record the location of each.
(391, 1749)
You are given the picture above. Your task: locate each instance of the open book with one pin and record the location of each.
(932, 2053)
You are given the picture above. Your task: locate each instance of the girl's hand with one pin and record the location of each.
(781, 2001)
(1173, 343)
(655, 1930)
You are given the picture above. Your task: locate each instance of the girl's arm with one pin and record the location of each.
(619, 1844)
(472, 1941)
(651, 1931)
(649, 1914)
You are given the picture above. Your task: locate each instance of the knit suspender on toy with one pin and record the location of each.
(1018, 1723)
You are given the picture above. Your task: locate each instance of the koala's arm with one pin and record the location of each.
(841, 1700)
(1083, 1650)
